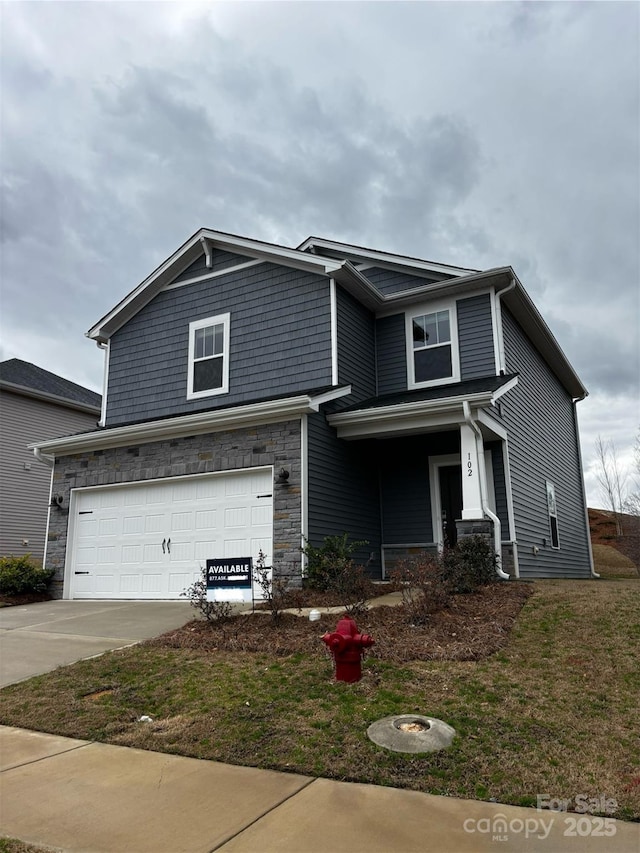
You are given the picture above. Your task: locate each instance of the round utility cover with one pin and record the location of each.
(411, 733)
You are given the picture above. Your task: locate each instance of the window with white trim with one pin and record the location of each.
(553, 515)
(208, 357)
(432, 347)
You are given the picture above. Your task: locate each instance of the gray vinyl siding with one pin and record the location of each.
(24, 492)
(475, 337)
(543, 445)
(404, 485)
(220, 260)
(391, 354)
(499, 486)
(356, 347)
(391, 281)
(280, 343)
(343, 494)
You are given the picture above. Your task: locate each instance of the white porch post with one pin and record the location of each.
(471, 492)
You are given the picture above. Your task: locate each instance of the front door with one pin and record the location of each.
(450, 502)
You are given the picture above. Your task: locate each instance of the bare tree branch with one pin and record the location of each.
(611, 479)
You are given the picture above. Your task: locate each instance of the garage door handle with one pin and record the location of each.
(81, 573)
(164, 542)
(169, 545)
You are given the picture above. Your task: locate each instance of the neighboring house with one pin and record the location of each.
(257, 396)
(35, 405)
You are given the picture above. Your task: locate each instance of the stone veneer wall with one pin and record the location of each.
(270, 444)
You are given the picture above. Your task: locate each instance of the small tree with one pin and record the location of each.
(612, 479)
(274, 589)
(632, 502)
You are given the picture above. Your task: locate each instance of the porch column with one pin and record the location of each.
(471, 493)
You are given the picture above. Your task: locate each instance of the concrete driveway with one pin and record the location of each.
(37, 638)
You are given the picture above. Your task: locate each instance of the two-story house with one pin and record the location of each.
(257, 396)
(35, 405)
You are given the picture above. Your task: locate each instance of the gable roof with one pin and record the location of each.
(333, 260)
(22, 377)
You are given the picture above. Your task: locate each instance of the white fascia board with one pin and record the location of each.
(452, 288)
(185, 255)
(383, 257)
(405, 417)
(270, 411)
(520, 304)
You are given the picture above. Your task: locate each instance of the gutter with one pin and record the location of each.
(497, 527)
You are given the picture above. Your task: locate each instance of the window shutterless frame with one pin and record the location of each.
(432, 345)
(208, 368)
(553, 515)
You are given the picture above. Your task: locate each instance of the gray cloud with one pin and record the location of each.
(478, 134)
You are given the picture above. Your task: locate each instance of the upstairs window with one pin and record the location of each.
(432, 348)
(208, 357)
(553, 515)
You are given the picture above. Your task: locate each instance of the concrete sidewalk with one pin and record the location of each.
(83, 797)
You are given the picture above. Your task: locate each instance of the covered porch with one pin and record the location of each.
(442, 466)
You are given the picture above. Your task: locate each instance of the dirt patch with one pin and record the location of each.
(472, 627)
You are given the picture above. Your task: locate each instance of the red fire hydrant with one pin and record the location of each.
(347, 645)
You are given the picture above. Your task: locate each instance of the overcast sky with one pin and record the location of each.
(477, 134)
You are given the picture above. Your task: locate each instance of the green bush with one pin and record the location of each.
(328, 565)
(18, 575)
(472, 563)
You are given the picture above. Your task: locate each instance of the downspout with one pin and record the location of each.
(499, 295)
(42, 457)
(497, 527)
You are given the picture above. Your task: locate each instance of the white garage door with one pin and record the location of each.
(150, 540)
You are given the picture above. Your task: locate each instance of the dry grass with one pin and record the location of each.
(12, 845)
(554, 710)
(610, 563)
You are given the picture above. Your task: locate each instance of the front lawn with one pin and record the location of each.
(547, 704)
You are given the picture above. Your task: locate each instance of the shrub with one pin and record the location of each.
(327, 564)
(424, 589)
(213, 611)
(18, 575)
(351, 584)
(274, 589)
(472, 563)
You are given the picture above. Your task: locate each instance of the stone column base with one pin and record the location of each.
(474, 527)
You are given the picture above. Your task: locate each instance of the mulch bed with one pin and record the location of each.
(472, 627)
(25, 598)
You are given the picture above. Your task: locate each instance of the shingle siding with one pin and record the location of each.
(391, 354)
(356, 347)
(543, 445)
(220, 260)
(280, 343)
(343, 491)
(475, 337)
(391, 281)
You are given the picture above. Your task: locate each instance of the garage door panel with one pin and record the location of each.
(118, 537)
(132, 525)
(181, 521)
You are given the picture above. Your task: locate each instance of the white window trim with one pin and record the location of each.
(225, 321)
(432, 308)
(552, 515)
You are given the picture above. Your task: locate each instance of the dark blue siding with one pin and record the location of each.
(220, 260)
(391, 354)
(404, 484)
(543, 445)
(390, 281)
(475, 337)
(343, 491)
(356, 347)
(280, 342)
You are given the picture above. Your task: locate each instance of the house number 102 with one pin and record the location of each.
(469, 466)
